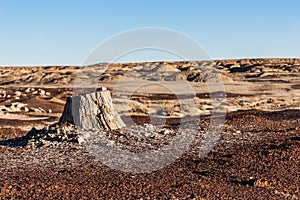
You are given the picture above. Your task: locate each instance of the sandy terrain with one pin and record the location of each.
(257, 155)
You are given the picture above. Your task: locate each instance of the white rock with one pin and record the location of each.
(147, 135)
(26, 109)
(42, 110)
(27, 90)
(83, 138)
(21, 105)
(18, 93)
(42, 92)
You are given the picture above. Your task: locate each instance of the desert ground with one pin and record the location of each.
(257, 154)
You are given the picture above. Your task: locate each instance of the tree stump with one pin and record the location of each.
(92, 111)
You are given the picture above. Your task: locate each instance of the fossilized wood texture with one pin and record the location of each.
(92, 111)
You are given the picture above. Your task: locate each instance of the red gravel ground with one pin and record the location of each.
(257, 157)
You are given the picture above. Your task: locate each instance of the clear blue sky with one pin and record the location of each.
(64, 32)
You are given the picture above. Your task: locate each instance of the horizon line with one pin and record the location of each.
(152, 61)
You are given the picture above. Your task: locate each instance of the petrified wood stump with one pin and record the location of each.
(92, 111)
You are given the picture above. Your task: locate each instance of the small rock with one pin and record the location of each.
(18, 93)
(27, 90)
(21, 105)
(103, 88)
(42, 92)
(147, 135)
(149, 127)
(42, 110)
(270, 100)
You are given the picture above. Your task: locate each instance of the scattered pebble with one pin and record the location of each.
(42, 110)
(28, 90)
(18, 93)
(42, 92)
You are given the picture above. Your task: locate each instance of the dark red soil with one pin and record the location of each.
(263, 165)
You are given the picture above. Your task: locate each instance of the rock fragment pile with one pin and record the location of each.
(51, 135)
(48, 136)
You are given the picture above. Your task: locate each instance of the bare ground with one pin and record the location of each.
(256, 157)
